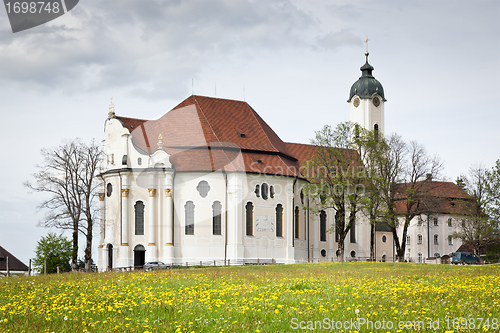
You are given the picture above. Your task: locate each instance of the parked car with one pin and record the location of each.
(464, 258)
(152, 265)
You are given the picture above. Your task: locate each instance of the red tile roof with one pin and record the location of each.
(436, 197)
(209, 134)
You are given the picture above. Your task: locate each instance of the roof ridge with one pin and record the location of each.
(213, 132)
(252, 111)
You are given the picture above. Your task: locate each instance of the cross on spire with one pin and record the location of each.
(366, 42)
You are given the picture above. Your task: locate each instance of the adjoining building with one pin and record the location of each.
(15, 266)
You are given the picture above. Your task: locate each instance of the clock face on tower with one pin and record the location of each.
(376, 101)
(356, 102)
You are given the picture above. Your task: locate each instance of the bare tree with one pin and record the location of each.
(67, 175)
(411, 197)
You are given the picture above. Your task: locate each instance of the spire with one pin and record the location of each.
(111, 113)
(160, 141)
(366, 69)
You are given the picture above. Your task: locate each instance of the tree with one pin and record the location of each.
(382, 158)
(412, 195)
(68, 176)
(493, 191)
(56, 251)
(336, 177)
(480, 227)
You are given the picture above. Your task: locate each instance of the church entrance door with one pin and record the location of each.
(139, 257)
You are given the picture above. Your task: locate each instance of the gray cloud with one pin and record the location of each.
(142, 48)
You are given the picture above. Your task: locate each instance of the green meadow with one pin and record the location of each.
(322, 297)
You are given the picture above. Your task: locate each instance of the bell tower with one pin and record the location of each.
(366, 100)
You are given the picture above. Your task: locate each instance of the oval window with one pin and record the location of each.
(109, 189)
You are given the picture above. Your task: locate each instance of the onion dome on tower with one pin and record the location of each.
(367, 86)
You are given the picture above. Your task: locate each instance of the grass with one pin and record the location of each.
(281, 298)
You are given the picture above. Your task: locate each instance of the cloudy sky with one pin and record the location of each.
(293, 61)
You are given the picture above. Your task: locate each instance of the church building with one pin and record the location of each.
(211, 182)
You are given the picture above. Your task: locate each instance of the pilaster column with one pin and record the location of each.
(168, 218)
(102, 222)
(151, 237)
(100, 248)
(289, 225)
(125, 216)
(235, 218)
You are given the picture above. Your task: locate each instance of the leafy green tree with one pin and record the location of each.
(54, 249)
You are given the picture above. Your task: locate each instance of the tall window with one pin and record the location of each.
(420, 257)
(407, 240)
(139, 218)
(419, 241)
(189, 227)
(353, 232)
(435, 222)
(216, 218)
(436, 239)
(450, 240)
(279, 220)
(297, 213)
(337, 217)
(450, 222)
(322, 226)
(375, 131)
(249, 218)
(264, 191)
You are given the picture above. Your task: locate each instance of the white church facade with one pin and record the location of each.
(210, 181)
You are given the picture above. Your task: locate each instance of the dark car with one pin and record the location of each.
(464, 258)
(152, 265)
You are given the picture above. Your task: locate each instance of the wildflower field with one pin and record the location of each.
(282, 298)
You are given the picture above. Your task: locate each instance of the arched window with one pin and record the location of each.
(297, 213)
(279, 220)
(109, 189)
(216, 218)
(257, 190)
(375, 131)
(139, 218)
(264, 191)
(322, 226)
(189, 227)
(249, 218)
(271, 191)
